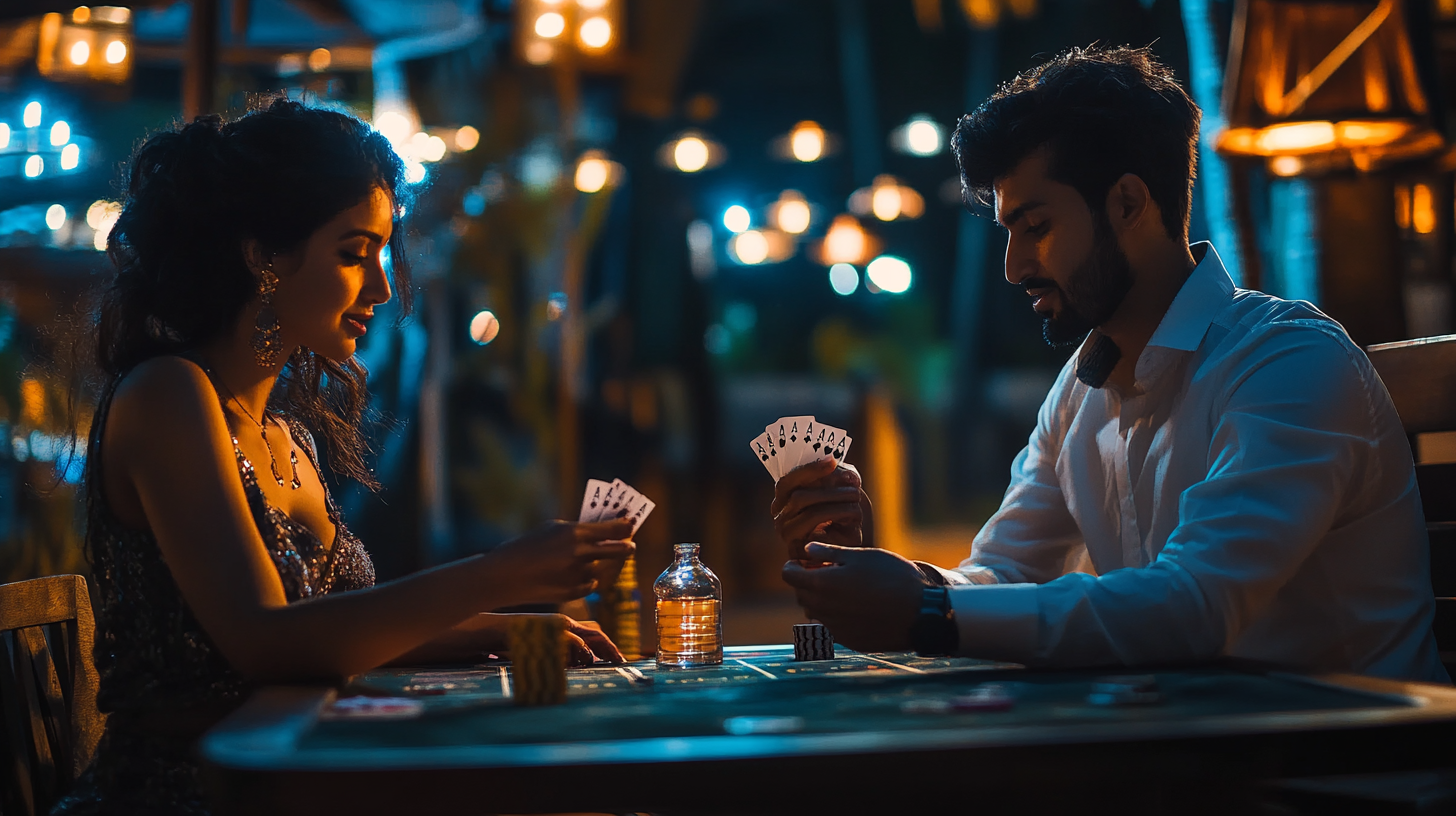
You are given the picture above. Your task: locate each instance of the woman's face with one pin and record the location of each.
(328, 288)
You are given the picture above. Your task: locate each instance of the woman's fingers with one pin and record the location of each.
(597, 640)
(579, 652)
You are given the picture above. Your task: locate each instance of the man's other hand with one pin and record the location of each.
(868, 598)
(821, 501)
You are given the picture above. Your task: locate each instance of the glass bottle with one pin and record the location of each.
(689, 607)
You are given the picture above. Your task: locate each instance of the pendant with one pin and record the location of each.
(293, 460)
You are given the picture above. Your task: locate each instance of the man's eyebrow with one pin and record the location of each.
(373, 236)
(1015, 215)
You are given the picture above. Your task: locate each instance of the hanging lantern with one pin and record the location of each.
(1331, 82)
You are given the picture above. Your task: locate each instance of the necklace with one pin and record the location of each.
(272, 461)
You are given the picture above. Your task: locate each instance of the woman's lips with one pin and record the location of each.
(357, 324)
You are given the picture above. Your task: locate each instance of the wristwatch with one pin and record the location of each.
(934, 631)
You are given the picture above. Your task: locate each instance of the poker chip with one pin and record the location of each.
(538, 659)
(373, 708)
(812, 641)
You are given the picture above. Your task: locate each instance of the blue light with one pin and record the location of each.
(843, 278)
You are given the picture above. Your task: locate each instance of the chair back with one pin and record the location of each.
(1421, 378)
(49, 725)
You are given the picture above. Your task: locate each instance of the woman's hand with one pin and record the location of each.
(586, 643)
(489, 633)
(561, 561)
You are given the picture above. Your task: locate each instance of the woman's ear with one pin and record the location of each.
(254, 256)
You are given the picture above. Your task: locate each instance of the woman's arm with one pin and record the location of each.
(487, 633)
(167, 434)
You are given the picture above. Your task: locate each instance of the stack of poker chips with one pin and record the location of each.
(538, 659)
(627, 611)
(812, 641)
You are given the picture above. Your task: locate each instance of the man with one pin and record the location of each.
(1228, 461)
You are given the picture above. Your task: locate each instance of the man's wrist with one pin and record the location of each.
(934, 631)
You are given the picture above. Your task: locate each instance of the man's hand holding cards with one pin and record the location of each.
(817, 497)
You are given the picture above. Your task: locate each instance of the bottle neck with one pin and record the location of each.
(686, 553)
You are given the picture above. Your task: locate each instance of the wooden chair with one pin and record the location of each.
(1421, 377)
(49, 725)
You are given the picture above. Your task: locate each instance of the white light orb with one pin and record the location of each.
(596, 33)
(923, 137)
(690, 154)
(886, 202)
(414, 172)
(550, 25)
(750, 247)
(806, 142)
(394, 126)
(34, 166)
(4, 135)
(539, 53)
(889, 273)
(433, 149)
(736, 218)
(80, 52)
(115, 52)
(793, 216)
(31, 117)
(55, 217)
(843, 278)
(592, 174)
(70, 157)
(60, 133)
(484, 327)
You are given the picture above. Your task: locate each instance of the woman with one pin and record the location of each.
(249, 261)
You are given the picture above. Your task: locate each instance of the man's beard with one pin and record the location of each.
(1094, 291)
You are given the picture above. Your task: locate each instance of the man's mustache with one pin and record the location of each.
(1039, 283)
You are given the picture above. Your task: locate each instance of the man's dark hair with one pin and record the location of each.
(1102, 112)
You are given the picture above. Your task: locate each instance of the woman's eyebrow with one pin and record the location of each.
(373, 236)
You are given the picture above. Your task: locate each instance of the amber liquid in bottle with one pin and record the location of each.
(689, 613)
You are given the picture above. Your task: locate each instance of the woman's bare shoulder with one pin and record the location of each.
(164, 395)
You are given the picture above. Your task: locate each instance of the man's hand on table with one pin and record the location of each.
(868, 598)
(821, 501)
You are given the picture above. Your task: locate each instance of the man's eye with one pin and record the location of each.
(1039, 229)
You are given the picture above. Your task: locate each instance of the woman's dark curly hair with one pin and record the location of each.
(194, 195)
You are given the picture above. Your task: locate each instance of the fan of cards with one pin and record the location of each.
(605, 501)
(792, 441)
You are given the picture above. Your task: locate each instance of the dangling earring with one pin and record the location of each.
(265, 328)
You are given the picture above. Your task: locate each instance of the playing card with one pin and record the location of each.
(763, 450)
(622, 501)
(591, 501)
(794, 429)
(826, 438)
(608, 496)
(774, 461)
(641, 508)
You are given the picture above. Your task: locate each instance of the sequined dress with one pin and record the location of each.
(163, 680)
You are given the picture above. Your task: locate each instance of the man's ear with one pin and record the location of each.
(1128, 203)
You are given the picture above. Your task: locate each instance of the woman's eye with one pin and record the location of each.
(352, 258)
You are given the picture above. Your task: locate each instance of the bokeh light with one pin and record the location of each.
(467, 138)
(792, 213)
(55, 216)
(80, 52)
(320, 59)
(806, 141)
(60, 133)
(736, 218)
(889, 273)
(70, 157)
(690, 154)
(34, 166)
(31, 117)
(596, 32)
(592, 172)
(843, 278)
(749, 247)
(484, 327)
(550, 25)
(115, 52)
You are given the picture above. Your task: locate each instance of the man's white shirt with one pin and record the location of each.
(1254, 496)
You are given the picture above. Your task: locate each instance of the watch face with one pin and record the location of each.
(933, 635)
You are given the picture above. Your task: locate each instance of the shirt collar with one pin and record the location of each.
(1206, 292)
